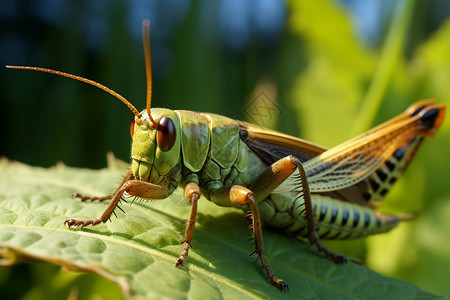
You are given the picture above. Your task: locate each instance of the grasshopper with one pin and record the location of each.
(295, 186)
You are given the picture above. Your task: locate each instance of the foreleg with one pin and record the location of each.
(191, 194)
(83, 198)
(133, 187)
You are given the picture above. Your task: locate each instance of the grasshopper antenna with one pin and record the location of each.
(148, 70)
(148, 67)
(91, 82)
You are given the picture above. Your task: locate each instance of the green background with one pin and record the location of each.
(315, 76)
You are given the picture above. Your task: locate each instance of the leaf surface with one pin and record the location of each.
(138, 249)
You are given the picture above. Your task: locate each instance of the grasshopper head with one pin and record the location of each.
(155, 149)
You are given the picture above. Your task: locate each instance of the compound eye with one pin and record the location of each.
(165, 136)
(132, 127)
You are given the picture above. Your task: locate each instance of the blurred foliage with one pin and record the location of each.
(316, 68)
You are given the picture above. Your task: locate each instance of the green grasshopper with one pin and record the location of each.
(290, 184)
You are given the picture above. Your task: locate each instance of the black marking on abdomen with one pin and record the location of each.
(384, 192)
(344, 216)
(346, 236)
(399, 153)
(366, 220)
(299, 231)
(390, 165)
(377, 222)
(323, 235)
(323, 212)
(334, 212)
(375, 185)
(355, 219)
(382, 175)
(335, 236)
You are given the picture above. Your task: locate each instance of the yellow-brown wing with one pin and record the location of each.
(361, 170)
(272, 145)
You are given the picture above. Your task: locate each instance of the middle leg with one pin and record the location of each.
(191, 194)
(236, 195)
(276, 174)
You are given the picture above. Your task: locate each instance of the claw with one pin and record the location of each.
(83, 198)
(71, 222)
(179, 263)
(281, 285)
(184, 254)
(75, 223)
(340, 259)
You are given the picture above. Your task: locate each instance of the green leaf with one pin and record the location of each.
(138, 250)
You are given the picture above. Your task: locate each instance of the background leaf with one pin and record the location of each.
(138, 250)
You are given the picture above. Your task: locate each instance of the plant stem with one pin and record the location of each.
(391, 53)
